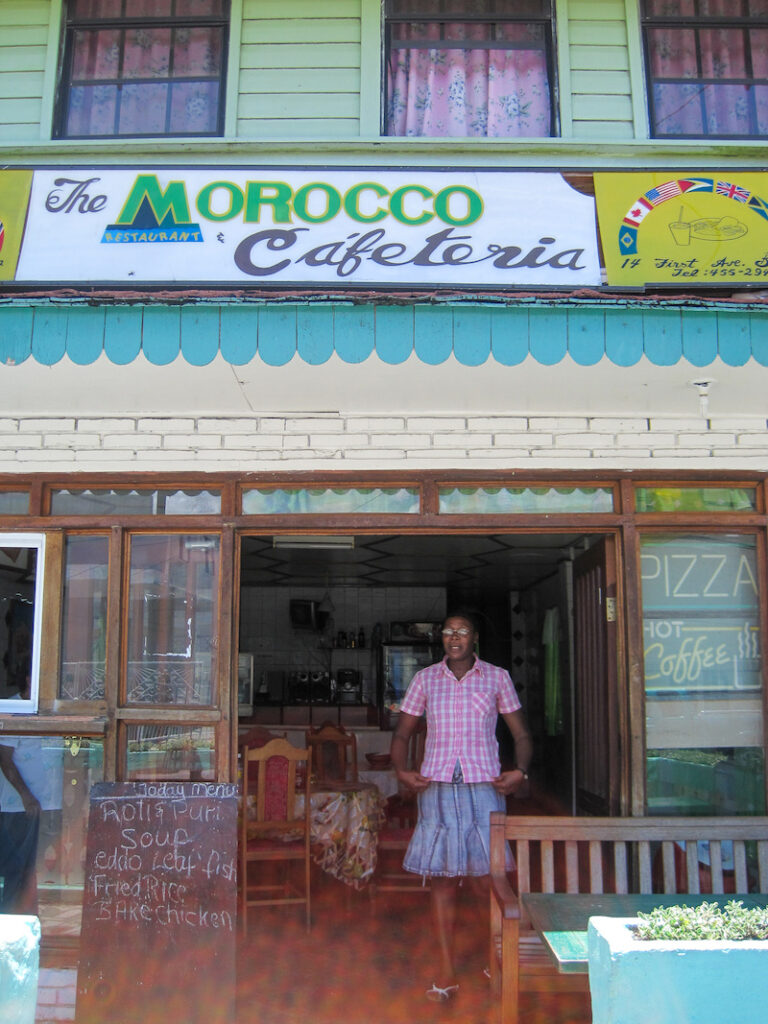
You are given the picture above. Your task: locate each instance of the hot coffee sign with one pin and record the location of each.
(316, 226)
(700, 616)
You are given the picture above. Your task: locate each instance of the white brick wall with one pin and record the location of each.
(56, 995)
(297, 442)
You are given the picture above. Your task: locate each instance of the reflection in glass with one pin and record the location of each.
(170, 752)
(703, 670)
(45, 784)
(711, 781)
(492, 500)
(14, 503)
(173, 607)
(695, 499)
(135, 503)
(84, 619)
(307, 501)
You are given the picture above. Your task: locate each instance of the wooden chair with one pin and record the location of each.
(270, 831)
(334, 753)
(401, 814)
(402, 809)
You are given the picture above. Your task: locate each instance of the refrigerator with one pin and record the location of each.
(398, 663)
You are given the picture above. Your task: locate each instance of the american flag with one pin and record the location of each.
(668, 190)
(725, 188)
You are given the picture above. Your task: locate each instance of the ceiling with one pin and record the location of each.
(466, 565)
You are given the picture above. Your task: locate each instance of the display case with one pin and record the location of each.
(398, 664)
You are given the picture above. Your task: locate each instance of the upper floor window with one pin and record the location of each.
(466, 68)
(143, 67)
(707, 64)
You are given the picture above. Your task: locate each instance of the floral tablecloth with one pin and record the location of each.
(384, 780)
(345, 822)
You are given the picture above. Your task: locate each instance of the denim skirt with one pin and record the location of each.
(452, 837)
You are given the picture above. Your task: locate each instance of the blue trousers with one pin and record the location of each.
(19, 834)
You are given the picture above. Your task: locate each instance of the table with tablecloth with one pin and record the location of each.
(384, 779)
(345, 819)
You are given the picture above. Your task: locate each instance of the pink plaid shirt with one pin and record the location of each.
(461, 718)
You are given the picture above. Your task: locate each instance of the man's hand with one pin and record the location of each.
(508, 782)
(413, 780)
(31, 804)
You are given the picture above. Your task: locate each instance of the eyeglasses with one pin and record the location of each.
(461, 631)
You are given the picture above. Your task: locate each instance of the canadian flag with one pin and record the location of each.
(638, 211)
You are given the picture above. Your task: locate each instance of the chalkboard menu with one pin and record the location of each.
(160, 904)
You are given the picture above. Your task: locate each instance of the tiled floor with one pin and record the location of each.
(364, 965)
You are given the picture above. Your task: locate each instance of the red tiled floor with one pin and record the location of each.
(370, 966)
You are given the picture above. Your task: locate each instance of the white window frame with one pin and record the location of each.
(36, 541)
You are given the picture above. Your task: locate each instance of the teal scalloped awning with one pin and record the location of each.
(472, 333)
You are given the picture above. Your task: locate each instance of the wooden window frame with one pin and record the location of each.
(698, 23)
(72, 23)
(545, 20)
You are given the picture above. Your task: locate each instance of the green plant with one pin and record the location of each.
(734, 922)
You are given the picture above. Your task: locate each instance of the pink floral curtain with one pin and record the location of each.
(710, 96)
(436, 90)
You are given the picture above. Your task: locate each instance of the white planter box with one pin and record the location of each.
(665, 982)
(19, 967)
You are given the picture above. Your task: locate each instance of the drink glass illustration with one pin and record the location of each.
(681, 230)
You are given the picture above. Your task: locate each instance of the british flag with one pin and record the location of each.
(725, 188)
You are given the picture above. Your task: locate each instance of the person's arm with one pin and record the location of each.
(398, 751)
(511, 781)
(12, 773)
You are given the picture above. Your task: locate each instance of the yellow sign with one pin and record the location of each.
(15, 187)
(669, 227)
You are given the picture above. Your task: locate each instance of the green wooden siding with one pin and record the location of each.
(600, 83)
(311, 70)
(23, 41)
(300, 69)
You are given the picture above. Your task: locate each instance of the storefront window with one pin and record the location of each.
(702, 674)
(266, 501)
(21, 565)
(135, 503)
(695, 499)
(84, 619)
(44, 830)
(172, 619)
(170, 752)
(492, 500)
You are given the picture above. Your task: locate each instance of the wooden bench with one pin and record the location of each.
(601, 855)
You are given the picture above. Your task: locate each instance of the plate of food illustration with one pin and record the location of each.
(717, 229)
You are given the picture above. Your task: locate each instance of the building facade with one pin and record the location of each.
(371, 310)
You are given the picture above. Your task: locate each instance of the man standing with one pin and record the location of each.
(21, 761)
(459, 782)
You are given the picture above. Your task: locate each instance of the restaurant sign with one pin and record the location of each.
(689, 229)
(278, 226)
